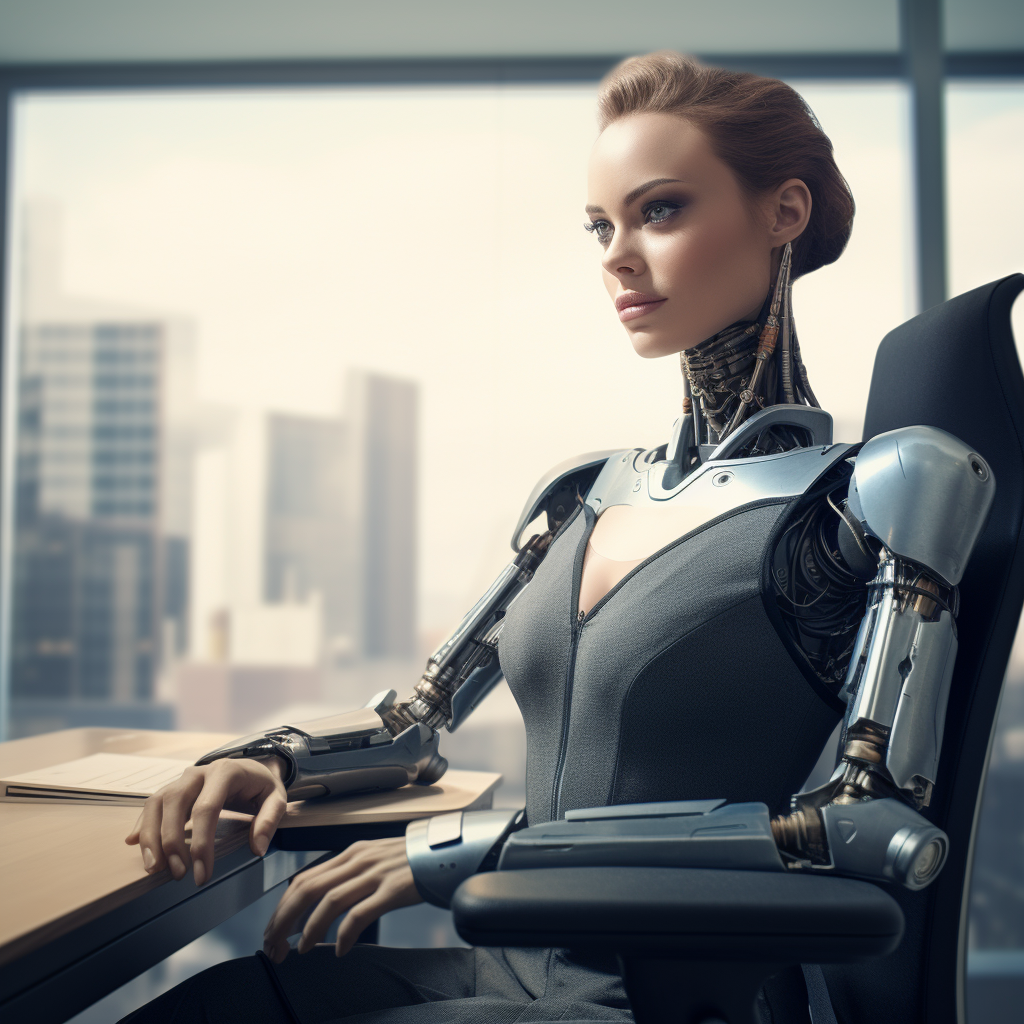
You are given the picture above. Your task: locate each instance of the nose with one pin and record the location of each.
(622, 258)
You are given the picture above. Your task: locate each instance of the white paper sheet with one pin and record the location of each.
(103, 778)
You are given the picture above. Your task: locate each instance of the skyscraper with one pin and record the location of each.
(99, 534)
(310, 512)
(382, 416)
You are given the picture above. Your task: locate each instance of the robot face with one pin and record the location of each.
(686, 252)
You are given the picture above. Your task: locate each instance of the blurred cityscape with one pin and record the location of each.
(180, 564)
(183, 565)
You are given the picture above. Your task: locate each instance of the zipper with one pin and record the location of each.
(556, 788)
(577, 629)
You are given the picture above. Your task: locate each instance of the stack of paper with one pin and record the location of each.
(124, 779)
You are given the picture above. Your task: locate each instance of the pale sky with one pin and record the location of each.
(436, 234)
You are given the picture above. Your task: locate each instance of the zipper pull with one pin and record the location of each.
(580, 616)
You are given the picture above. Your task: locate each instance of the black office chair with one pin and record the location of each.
(698, 945)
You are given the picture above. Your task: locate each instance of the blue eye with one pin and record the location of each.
(600, 228)
(659, 211)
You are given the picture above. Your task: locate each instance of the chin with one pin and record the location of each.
(653, 344)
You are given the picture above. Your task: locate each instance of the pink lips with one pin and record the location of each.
(636, 304)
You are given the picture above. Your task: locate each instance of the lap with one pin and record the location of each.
(374, 985)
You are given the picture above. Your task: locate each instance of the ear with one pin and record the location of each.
(789, 211)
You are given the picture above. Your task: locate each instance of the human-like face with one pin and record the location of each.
(686, 251)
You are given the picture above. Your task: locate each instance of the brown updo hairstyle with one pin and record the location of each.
(760, 127)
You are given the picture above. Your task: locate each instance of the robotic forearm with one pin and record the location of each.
(464, 669)
(387, 744)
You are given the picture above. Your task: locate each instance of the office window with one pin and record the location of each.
(289, 362)
(985, 147)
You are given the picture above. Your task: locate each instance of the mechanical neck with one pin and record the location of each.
(745, 368)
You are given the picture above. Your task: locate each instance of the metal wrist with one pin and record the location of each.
(445, 850)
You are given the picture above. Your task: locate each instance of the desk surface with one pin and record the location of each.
(64, 866)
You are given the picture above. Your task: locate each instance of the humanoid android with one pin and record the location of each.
(683, 631)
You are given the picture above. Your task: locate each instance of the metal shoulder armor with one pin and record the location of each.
(924, 495)
(555, 493)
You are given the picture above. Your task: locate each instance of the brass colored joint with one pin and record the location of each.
(801, 834)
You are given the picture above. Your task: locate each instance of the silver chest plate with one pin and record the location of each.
(718, 486)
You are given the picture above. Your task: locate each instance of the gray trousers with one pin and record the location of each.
(384, 985)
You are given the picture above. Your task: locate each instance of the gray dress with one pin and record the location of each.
(679, 684)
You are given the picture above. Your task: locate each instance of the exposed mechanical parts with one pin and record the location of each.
(389, 744)
(865, 819)
(464, 669)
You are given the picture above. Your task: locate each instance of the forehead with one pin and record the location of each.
(640, 147)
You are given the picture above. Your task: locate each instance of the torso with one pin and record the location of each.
(675, 648)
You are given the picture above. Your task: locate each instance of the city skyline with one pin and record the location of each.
(152, 529)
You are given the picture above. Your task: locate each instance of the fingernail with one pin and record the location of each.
(177, 865)
(262, 842)
(148, 859)
(199, 871)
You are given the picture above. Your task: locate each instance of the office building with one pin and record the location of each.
(305, 533)
(100, 543)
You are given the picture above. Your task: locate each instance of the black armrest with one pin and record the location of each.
(694, 944)
(767, 916)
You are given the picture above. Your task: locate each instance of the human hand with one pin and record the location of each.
(367, 880)
(234, 784)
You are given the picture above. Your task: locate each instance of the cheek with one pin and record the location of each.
(708, 253)
(716, 271)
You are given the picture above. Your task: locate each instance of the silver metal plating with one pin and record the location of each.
(925, 495)
(446, 850)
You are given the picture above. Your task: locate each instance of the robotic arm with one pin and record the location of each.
(388, 744)
(917, 503)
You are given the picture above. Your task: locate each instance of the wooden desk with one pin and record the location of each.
(79, 916)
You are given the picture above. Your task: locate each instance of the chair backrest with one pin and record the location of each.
(954, 367)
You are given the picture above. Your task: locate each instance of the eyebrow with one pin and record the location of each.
(638, 192)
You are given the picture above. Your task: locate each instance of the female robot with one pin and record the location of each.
(690, 626)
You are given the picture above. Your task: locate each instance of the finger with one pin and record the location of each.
(399, 890)
(177, 807)
(300, 896)
(357, 920)
(133, 836)
(149, 834)
(205, 815)
(267, 819)
(333, 905)
(308, 886)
